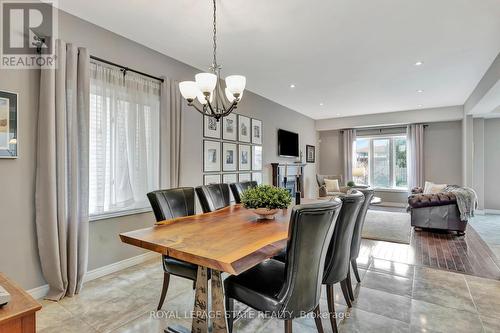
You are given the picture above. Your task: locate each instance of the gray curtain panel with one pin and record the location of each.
(349, 137)
(415, 157)
(171, 103)
(61, 194)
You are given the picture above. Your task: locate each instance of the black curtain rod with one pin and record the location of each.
(125, 69)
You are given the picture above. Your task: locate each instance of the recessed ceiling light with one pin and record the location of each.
(321, 104)
(420, 91)
(419, 63)
(338, 114)
(420, 105)
(292, 85)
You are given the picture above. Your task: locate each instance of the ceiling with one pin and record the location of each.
(345, 57)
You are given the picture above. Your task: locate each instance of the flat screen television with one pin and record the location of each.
(288, 143)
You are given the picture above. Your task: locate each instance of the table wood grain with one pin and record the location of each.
(231, 239)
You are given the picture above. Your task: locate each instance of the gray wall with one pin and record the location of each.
(443, 152)
(443, 156)
(491, 163)
(18, 248)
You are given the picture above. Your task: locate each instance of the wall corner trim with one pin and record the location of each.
(40, 292)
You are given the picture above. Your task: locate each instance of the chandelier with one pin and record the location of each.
(212, 100)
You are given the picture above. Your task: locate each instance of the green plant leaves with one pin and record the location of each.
(266, 196)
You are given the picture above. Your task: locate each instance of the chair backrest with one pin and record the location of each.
(360, 222)
(239, 188)
(172, 203)
(321, 179)
(310, 231)
(339, 251)
(213, 197)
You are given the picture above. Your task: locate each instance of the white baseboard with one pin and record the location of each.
(392, 204)
(40, 292)
(492, 211)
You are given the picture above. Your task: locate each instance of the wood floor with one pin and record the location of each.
(467, 254)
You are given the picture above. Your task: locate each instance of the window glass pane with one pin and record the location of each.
(381, 163)
(400, 174)
(362, 166)
(124, 140)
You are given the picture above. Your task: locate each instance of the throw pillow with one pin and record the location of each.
(431, 188)
(332, 185)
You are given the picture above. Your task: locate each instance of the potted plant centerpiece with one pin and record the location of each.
(266, 200)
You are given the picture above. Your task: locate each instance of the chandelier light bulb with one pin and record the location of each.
(206, 82)
(236, 84)
(230, 97)
(189, 90)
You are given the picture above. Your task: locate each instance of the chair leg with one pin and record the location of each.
(166, 281)
(349, 285)
(331, 307)
(343, 286)
(288, 326)
(317, 319)
(354, 265)
(230, 313)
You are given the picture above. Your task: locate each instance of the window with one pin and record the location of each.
(124, 141)
(381, 162)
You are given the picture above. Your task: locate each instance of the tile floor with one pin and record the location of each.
(392, 297)
(488, 227)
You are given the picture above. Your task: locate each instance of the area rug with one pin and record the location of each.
(387, 226)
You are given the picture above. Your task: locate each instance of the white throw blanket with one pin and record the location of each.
(466, 200)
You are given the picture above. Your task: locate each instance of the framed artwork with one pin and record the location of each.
(243, 128)
(244, 159)
(211, 179)
(230, 127)
(257, 176)
(211, 127)
(8, 125)
(229, 156)
(310, 154)
(256, 131)
(229, 178)
(256, 158)
(211, 156)
(244, 177)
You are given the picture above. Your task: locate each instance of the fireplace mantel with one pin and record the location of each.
(293, 171)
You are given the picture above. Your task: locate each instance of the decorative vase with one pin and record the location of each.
(265, 213)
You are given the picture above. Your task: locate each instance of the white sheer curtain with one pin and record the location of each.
(415, 156)
(124, 139)
(349, 138)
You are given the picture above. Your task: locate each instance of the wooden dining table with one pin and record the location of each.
(229, 240)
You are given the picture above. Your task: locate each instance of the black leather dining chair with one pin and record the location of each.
(292, 289)
(337, 262)
(239, 188)
(213, 197)
(168, 204)
(356, 236)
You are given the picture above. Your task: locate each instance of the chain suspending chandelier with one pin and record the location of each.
(207, 88)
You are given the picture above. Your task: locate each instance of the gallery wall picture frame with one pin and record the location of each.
(230, 127)
(310, 154)
(256, 158)
(229, 156)
(244, 177)
(244, 157)
(244, 128)
(211, 156)
(9, 138)
(257, 177)
(256, 131)
(229, 178)
(211, 179)
(211, 127)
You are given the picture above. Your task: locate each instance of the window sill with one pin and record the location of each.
(111, 215)
(395, 190)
